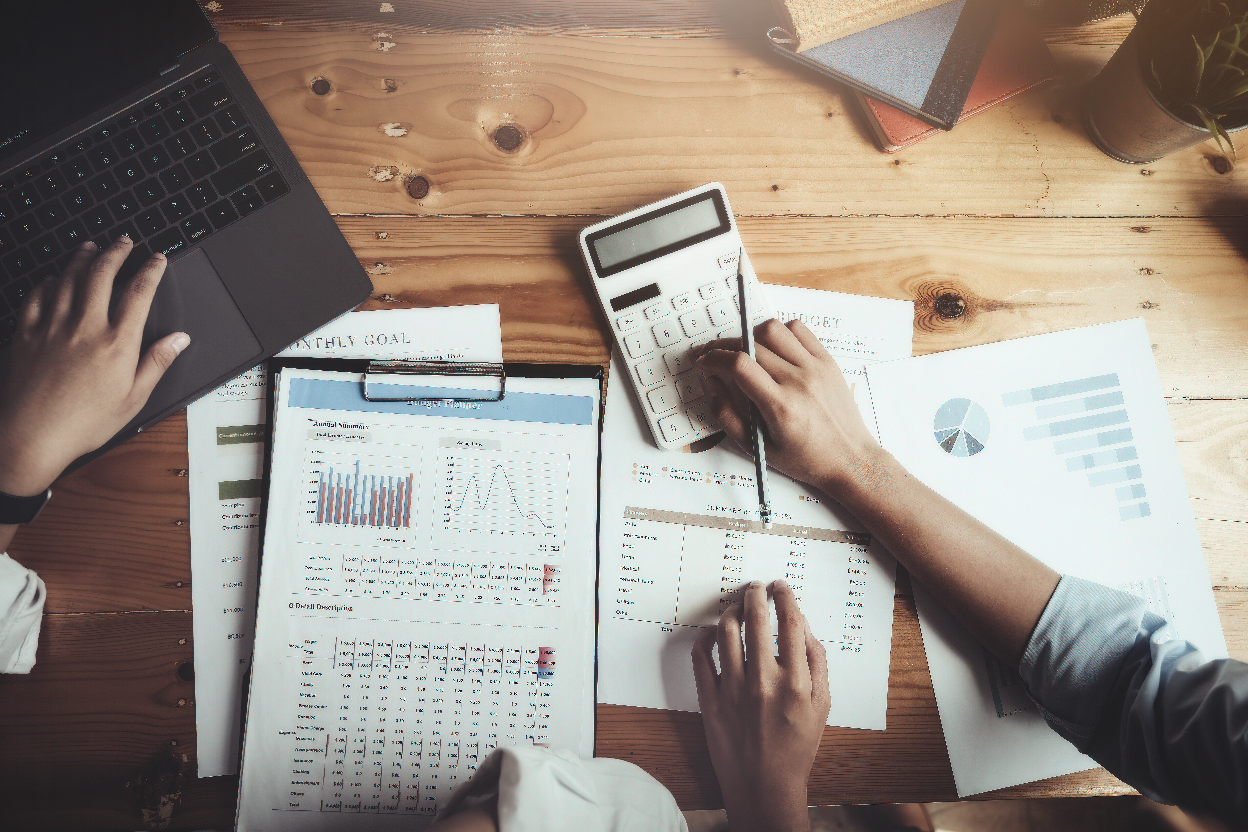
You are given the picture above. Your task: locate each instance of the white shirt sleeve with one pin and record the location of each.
(21, 612)
(535, 787)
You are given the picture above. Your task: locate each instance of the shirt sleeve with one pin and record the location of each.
(539, 790)
(1114, 679)
(21, 612)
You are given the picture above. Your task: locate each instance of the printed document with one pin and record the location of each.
(225, 438)
(1062, 444)
(426, 595)
(680, 536)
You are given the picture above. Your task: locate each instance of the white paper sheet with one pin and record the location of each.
(225, 439)
(1062, 444)
(680, 536)
(424, 568)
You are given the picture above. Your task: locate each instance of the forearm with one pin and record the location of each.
(995, 589)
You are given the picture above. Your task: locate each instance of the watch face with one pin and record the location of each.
(22, 509)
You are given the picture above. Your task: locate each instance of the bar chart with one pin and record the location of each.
(360, 498)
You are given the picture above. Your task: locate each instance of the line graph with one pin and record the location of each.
(502, 501)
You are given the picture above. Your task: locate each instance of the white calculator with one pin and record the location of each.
(666, 276)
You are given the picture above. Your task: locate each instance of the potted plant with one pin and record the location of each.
(1180, 78)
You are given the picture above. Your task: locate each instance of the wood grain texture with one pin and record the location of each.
(612, 123)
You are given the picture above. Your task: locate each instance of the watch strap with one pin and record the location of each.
(22, 509)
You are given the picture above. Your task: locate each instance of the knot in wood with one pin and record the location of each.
(509, 137)
(950, 306)
(321, 86)
(186, 671)
(418, 187)
(1220, 164)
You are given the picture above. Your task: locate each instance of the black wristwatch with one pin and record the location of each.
(22, 509)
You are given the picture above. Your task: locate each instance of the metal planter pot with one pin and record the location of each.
(1125, 120)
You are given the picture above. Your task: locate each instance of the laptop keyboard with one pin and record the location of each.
(170, 173)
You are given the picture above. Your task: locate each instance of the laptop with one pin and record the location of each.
(129, 116)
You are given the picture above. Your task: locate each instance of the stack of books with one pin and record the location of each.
(917, 66)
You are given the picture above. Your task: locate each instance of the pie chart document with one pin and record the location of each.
(1062, 444)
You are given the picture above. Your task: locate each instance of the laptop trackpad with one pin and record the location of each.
(192, 299)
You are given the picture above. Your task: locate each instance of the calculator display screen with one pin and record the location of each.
(657, 233)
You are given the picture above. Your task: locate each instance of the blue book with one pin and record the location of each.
(922, 64)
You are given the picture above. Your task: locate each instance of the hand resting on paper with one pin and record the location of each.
(815, 434)
(73, 375)
(763, 714)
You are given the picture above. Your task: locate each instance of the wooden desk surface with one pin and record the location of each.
(462, 144)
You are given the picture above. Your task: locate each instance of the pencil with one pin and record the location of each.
(756, 420)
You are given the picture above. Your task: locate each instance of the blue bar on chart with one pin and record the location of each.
(1072, 406)
(1065, 388)
(1098, 420)
(1131, 472)
(1097, 440)
(364, 500)
(1110, 457)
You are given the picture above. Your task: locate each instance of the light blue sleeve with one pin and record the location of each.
(1111, 677)
(21, 612)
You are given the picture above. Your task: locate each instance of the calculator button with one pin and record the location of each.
(711, 291)
(694, 323)
(730, 332)
(721, 313)
(666, 333)
(650, 372)
(656, 310)
(678, 361)
(662, 399)
(628, 321)
(674, 427)
(701, 416)
(683, 303)
(638, 343)
(689, 387)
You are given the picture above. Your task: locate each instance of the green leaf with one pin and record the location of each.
(1220, 137)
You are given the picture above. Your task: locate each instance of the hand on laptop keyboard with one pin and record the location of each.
(73, 374)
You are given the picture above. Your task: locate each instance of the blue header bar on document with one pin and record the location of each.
(546, 408)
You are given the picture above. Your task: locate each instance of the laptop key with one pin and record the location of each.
(123, 205)
(235, 147)
(201, 164)
(128, 142)
(195, 228)
(103, 186)
(78, 200)
(182, 92)
(19, 262)
(207, 78)
(154, 159)
(247, 200)
(126, 229)
(154, 129)
(181, 146)
(52, 184)
(181, 115)
(8, 328)
(51, 213)
(7, 241)
(169, 242)
(6, 209)
(150, 221)
(176, 208)
(201, 194)
(45, 248)
(77, 170)
(25, 197)
(213, 98)
(243, 172)
(150, 192)
(272, 186)
(206, 132)
(230, 119)
(221, 214)
(175, 178)
(72, 234)
(97, 221)
(154, 106)
(130, 120)
(25, 228)
(129, 173)
(103, 156)
(17, 291)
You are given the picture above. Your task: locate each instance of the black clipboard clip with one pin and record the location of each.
(436, 368)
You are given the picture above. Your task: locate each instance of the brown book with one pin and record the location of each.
(1017, 59)
(815, 22)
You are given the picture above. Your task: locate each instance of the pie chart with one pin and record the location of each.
(961, 427)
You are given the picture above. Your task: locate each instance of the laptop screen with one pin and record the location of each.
(62, 60)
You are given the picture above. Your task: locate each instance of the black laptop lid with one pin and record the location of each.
(62, 60)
